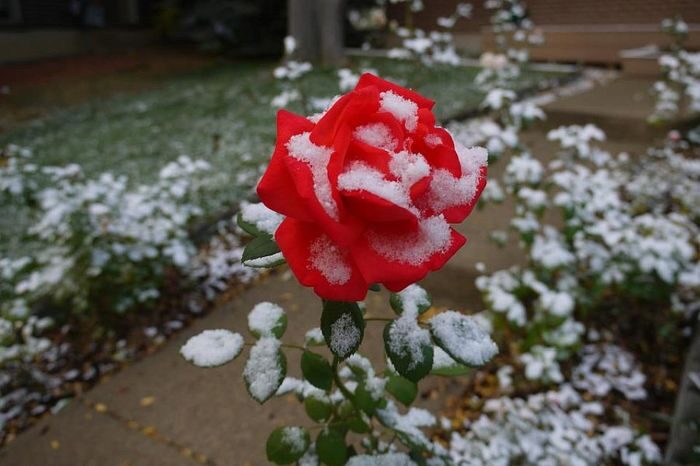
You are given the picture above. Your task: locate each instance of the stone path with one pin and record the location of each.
(163, 411)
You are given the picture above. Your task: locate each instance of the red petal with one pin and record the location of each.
(345, 228)
(296, 240)
(350, 110)
(276, 188)
(376, 268)
(374, 208)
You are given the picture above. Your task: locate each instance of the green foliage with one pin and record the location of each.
(331, 448)
(403, 359)
(317, 370)
(317, 409)
(402, 389)
(285, 445)
(342, 320)
(260, 246)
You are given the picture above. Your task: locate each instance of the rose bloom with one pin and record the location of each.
(369, 189)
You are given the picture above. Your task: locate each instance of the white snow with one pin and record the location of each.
(608, 367)
(329, 261)
(263, 218)
(376, 135)
(384, 459)
(442, 360)
(412, 298)
(314, 337)
(264, 317)
(446, 190)
(404, 110)
(212, 348)
(266, 261)
(317, 157)
(361, 177)
(409, 168)
(463, 337)
(263, 372)
(344, 336)
(541, 364)
(295, 438)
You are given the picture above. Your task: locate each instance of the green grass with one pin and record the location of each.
(220, 113)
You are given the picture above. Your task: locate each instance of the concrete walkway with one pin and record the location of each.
(163, 411)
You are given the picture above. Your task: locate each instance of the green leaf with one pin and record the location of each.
(248, 227)
(418, 458)
(286, 445)
(374, 287)
(400, 350)
(317, 409)
(343, 327)
(364, 400)
(455, 370)
(316, 370)
(260, 246)
(402, 389)
(331, 448)
(357, 424)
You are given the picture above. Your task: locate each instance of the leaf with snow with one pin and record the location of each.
(262, 248)
(265, 369)
(409, 347)
(413, 298)
(343, 327)
(314, 337)
(257, 219)
(445, 366)
(286, 445)
(212, 348)
(463, 338)
(267, 319)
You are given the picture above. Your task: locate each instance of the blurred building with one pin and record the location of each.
(591, 31)
(32, 29)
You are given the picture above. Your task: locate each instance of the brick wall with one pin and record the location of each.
(566, 12)
(591, 31)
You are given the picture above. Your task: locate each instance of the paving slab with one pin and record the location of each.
(620, 106)
(81, 436)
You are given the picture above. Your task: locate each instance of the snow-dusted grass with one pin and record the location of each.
(221, 114)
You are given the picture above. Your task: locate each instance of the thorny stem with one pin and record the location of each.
(378, 319)
(284, 345)
(336, 378)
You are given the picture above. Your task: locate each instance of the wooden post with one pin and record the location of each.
(317, 27)
(685, 432)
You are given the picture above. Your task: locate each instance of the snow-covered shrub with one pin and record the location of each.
(558, 428)
(629, 230)
(681, 75)
(99, 244)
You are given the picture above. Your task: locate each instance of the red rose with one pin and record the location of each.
(369, 189)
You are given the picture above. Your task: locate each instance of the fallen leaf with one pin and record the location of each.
(101, 408)
(147, 401)
(55, 444)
